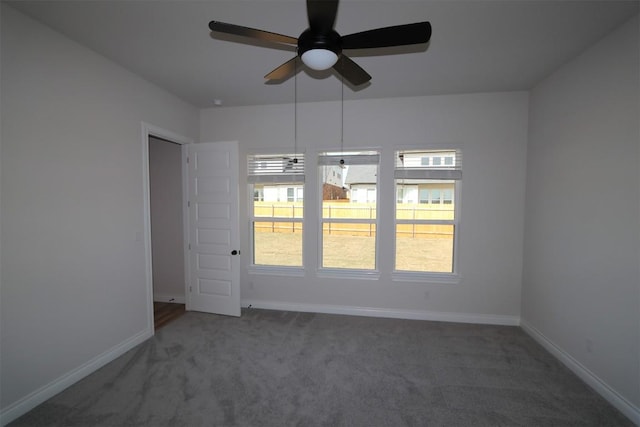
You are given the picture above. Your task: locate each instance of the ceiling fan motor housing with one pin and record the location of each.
(329, 41)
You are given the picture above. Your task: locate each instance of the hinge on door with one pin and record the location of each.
(190, 289)
(188, 203)
(187, 159)
(189, 246)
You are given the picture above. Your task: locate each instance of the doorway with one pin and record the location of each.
(164, 225)
(167, 236)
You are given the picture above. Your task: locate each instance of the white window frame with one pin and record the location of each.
(355, 157)
(435, 172)
(259, 173)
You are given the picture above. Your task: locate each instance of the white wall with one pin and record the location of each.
(492, 130)
(73, 261)
(167, 232)
(581, 284)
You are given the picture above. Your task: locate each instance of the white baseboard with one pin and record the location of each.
(178, 299)
(47, 391)
(600, 386)
(439, 316)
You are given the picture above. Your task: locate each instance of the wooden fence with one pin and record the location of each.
(363, 211)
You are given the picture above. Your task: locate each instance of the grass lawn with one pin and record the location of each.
(340, 251)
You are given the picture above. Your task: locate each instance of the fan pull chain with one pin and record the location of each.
(295, 111)
(342, 111)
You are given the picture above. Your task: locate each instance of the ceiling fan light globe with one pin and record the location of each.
(319, 59)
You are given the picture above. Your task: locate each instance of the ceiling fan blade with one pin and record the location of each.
(238, 30)
(322, 15)
(398, 35)
(284, 71)
(351, 71)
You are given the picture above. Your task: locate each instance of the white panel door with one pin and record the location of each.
(214, 253)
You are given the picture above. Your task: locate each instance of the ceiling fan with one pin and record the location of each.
(320, 46)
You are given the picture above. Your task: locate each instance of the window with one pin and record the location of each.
(348, 237)
(424, 195)
(426, 231)
(276, 214)
(447, 196)
(435, 196)
(371, 195)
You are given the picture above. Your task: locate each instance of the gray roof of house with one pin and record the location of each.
(361, 174)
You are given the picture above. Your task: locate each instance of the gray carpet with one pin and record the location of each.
(272, 368)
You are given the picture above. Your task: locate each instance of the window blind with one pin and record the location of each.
(275, 168)
(349, 159)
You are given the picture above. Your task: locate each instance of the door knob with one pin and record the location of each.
(235, 252)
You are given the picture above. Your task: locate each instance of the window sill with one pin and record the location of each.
(414, 276)
(276, 270)
(338, 273)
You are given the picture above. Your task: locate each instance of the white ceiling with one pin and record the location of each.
(476, 46)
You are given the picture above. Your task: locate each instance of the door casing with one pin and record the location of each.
(147, 131)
